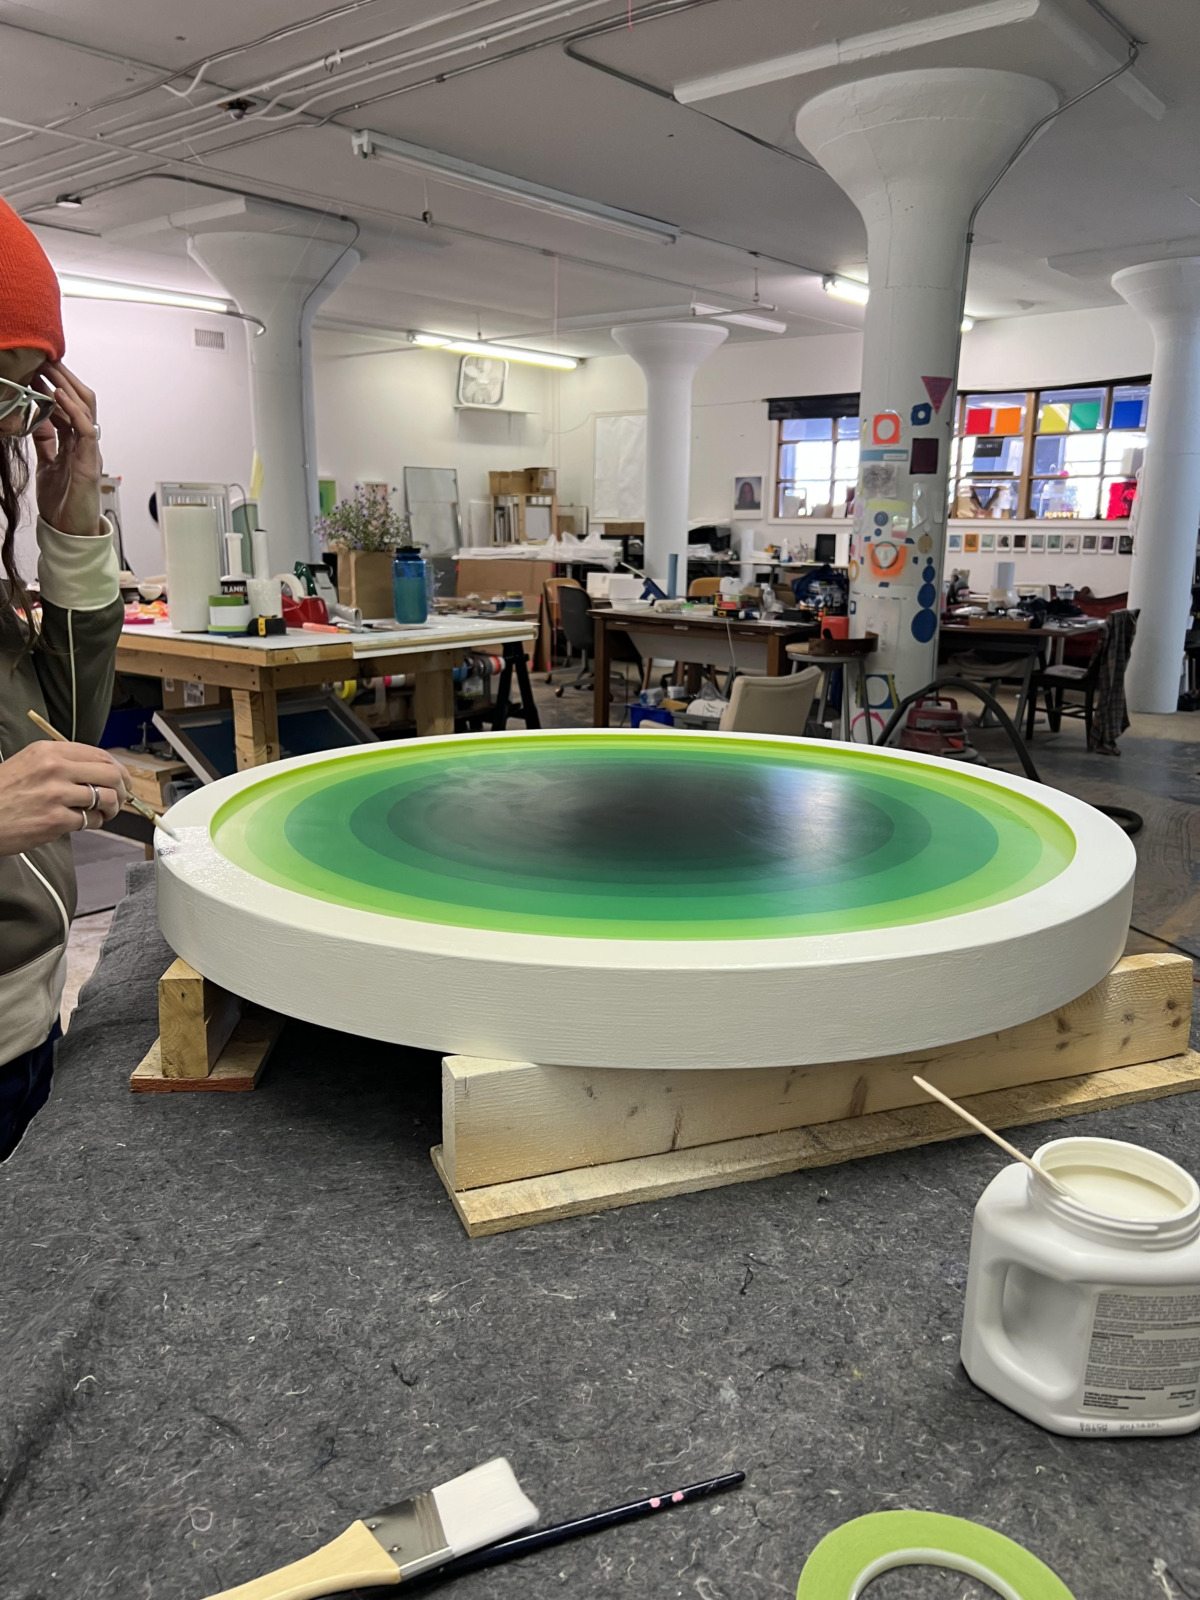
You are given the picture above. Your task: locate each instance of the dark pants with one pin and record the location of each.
(24, 1090)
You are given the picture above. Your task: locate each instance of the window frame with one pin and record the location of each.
(778, 480)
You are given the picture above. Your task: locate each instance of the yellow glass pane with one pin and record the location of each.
(1054, 418)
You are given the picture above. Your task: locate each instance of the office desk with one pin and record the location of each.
(255, 670)
(962, 635)
(754, 647)
(1027, 645)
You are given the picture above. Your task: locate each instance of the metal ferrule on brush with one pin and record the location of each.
(412, 1534)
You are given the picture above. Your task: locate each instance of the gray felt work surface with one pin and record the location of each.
(230, 1324)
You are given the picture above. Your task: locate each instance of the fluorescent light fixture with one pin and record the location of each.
(521, 192)
(69, 202)
(140, 293)
(502, 352)
(743, 319)
(846, 289)
(859, 293)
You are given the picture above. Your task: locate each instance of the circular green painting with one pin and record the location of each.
(643, 836)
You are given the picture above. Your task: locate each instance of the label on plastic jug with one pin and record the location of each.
(1143, 1357)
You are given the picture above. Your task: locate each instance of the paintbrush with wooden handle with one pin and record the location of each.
(140, 806)
(403, 1541)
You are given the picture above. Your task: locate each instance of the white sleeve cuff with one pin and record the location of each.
(77, 572)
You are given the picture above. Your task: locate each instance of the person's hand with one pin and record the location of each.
(68, 454)
(46, 790)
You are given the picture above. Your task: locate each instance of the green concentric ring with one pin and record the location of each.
(640, 836)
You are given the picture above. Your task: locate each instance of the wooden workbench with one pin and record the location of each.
(255, 670)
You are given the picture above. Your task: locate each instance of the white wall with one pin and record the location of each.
(167, 410)
(378, 413)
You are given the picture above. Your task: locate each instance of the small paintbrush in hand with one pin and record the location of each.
(135, 804)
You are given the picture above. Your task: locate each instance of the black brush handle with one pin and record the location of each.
(492, 1555)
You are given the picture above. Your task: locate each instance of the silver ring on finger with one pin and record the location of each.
(83, 818)
(95, 798)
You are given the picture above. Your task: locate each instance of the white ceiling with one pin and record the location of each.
(1109, 182)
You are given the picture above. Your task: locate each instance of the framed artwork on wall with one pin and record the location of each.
(1090, 543)
(1124, 544)
(747, 497)
(1037, 544)
(1004, 541)
(954, 541)
(1020, 541)
(1054, 543)
(1070, 544)
(987, 541)
(970, 542)
(1108, 544)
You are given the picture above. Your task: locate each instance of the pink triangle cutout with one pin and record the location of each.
(937, 389)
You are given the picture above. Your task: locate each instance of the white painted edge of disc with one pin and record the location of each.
(648, 1003)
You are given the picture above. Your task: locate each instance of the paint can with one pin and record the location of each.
(1083, 1310)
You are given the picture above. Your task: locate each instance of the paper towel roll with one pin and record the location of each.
(262, 559)
(191, 540)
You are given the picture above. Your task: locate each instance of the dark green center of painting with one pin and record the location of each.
(643, 836)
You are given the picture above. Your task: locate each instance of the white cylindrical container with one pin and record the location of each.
(1083, 1312)
(191, 540)
(265, 596)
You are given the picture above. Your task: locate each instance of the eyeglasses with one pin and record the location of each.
(30, 405)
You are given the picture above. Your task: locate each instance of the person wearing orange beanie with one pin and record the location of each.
(56, 660)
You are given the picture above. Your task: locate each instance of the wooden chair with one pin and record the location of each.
(772, 705)
(704, 588)
(1054, 682)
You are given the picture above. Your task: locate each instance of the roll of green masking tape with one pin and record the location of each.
(852, 1556)
(643, 837)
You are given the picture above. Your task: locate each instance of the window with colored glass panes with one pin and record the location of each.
(989, 454)
(816, 468)
(1050, 454)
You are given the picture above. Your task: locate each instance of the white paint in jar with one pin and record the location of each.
(1083, 1310)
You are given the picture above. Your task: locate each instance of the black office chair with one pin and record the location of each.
(580, 631)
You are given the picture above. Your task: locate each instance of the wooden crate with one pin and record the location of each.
(150, 776)
(523, 1143)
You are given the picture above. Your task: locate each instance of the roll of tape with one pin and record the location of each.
(854, 1555)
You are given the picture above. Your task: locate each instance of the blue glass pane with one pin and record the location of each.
(1129, 413)
(848, 428)
(1048, 454)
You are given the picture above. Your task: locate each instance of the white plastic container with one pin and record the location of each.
(1083, 1314)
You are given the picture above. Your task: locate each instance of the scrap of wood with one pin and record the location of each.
(507, 1120)
(499, 1208)
(195, 1019)
(238, 1067)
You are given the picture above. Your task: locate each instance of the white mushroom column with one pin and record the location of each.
(281, 279)
(668, 354)
(1167, 511)
(914, 151)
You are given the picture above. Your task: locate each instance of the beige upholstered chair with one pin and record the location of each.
(772, 705)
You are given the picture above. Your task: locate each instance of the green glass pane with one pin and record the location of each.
(1085, 416)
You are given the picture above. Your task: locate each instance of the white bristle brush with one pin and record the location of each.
(402, 1541)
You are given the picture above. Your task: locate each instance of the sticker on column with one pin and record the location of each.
(923, 463)
(854, 1555)
(925, 621)
(921, 415)
(937, 389)
(885, 427)
(880, 480)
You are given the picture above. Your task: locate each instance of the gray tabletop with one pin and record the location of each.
(231, 1324)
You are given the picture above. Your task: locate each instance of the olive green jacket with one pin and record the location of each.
(67, 677)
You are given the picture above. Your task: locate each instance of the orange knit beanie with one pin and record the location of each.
(30, 314)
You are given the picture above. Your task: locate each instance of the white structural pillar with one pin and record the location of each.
(668, 354)
(1167, 511)
(281, 279)
(914, 151)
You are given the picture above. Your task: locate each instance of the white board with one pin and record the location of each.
(619, 468)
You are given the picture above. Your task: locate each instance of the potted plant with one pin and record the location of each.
(365, 530)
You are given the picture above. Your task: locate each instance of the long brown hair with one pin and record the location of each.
(14, 476)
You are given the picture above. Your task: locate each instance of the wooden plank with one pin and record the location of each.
(503, 1120)
(433, 700)
(195, 1018)
(238, 1067)
(502, 1207)
(255, 727)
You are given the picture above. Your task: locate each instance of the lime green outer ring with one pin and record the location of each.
(957, 842)
(837, 1567)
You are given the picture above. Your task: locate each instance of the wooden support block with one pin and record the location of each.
(195, 1019)
(506, 1120)
(499, 1208)
(238, 1066)
(255, 727)
(433, 700)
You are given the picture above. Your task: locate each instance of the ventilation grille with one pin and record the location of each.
(210, 339)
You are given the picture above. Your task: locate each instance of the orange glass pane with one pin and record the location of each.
(1008, 420)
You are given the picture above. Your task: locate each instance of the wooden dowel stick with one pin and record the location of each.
(990, 1133)
(150, 814)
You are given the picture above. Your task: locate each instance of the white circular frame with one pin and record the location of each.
(647, 1003)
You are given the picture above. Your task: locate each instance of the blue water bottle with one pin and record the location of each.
(410, 585)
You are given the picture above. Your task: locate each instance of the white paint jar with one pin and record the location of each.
(1083, 1313)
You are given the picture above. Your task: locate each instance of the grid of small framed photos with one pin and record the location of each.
(1039, 544)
